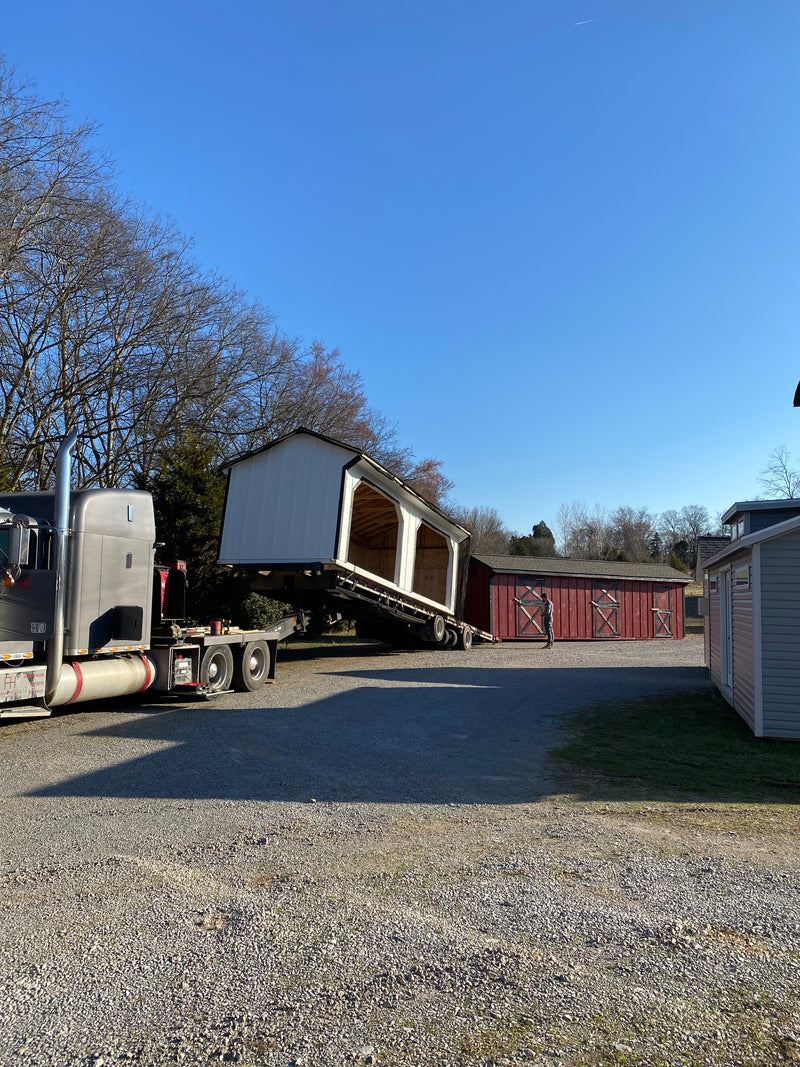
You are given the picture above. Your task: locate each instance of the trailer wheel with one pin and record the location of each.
(436, 628)
(450, 638)
(216, 669)
(465, 639)
(251, 666)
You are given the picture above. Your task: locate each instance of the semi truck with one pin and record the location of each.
(86, 613)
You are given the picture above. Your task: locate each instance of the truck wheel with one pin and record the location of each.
(216, 669)
(251, 666)
(436, 628)
(450, 638)
(465, 639)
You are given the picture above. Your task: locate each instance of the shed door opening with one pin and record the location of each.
(529, 607)
(606, 609)
(431, 561)
(662, 611)
(373, 532)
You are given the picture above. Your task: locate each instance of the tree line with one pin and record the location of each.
(624, 534)
(109, 326)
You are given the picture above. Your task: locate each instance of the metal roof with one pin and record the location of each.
(357, 453)
(584, 568)
(742, 506)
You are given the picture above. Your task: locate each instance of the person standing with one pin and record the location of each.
(547, 618)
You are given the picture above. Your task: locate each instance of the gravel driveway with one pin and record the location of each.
(370, 861)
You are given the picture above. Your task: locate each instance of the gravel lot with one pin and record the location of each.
(375, 860)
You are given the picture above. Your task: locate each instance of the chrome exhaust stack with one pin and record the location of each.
(55, 646)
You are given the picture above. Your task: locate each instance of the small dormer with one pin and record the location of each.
(750, 516)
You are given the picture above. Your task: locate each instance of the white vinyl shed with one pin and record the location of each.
(306, 505)
(753, 623)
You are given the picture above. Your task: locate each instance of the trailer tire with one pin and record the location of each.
(251, 666)
(450, 638)
(436, 628)
(216, 669)
(465, 639)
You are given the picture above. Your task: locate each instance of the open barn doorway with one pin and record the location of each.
(374, 528)
(431, 563)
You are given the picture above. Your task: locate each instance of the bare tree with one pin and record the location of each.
(779, 479)
(109, 326)
(489, 534)
(45, 164)
(584, 532)
(631, 530)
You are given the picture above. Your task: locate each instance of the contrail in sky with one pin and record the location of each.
(585, 22)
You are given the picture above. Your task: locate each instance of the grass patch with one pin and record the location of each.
(507, 1037)
(677, 745)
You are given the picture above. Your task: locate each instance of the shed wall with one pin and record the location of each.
(476, 602)
(283, 504)
(761, 520)
(780, 635)
(575, 616)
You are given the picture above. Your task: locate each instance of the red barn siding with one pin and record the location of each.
(476, 600)
(493, 604)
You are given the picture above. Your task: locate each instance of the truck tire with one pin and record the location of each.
(251, 666)
(436, 628)
(216, 669)
(465, 639)
(450, 638)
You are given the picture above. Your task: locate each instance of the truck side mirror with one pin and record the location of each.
(15, 539)
(19, 542)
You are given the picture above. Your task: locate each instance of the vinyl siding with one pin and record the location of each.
(780, 630)
(760, 520)
(743, 652)
(713, 631)
(283, 504)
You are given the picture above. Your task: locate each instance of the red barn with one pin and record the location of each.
(592, 599)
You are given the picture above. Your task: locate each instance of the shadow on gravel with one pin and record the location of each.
(437, 735)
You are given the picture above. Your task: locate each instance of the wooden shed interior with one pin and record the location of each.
(431, 561)
(375, 538)
(373, 532)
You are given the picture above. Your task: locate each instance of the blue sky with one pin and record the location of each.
(559, 240)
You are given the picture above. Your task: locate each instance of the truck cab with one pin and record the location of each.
(109, 572)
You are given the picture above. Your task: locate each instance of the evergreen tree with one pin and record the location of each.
(188, 491)
(539, 542)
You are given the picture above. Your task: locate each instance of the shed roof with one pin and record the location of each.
(779, 529)
(357, 454)
(584, 568)
(707, 546)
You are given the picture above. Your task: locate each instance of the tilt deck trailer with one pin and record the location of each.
(86, 614)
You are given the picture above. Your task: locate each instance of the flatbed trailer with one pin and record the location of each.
(379, 609)
(233, 658)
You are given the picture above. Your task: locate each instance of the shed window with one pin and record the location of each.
(741, 577)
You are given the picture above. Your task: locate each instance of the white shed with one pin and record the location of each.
(307, 514)
(753, 624)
